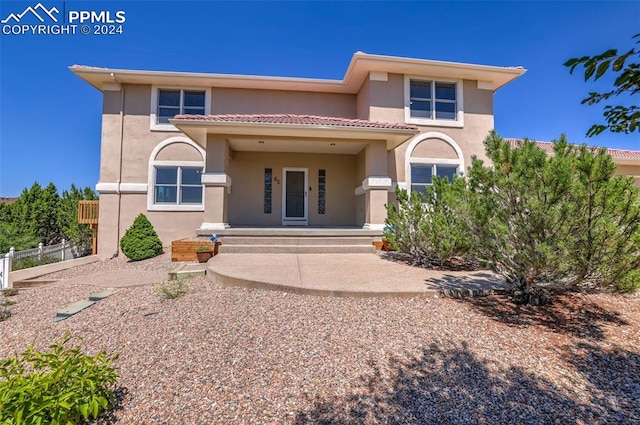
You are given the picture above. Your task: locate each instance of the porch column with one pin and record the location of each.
(376, 185)
(217, 184)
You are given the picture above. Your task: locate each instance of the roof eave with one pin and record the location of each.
(358, 70)
(197, 128)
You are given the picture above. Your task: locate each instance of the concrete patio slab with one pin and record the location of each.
(354, 275)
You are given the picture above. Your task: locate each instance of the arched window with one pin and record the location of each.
(431, 154)
(175, 176)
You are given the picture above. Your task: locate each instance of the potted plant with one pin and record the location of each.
(204, 253)
(388, 236)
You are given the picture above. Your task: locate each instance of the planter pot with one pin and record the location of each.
(204, 256)
(378, 245)
(386, 246)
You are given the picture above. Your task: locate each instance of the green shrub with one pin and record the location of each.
(5, 313)
(61, 386)
(172, 289)
(561, 220)
(429, 226)
(7, 303)
(629, 283)
(141, 241)
(10, 292)
(28, 262)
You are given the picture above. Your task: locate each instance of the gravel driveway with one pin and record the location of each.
(241, 356)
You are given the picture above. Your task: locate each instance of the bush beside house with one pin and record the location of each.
(141, 241)
(543, 222)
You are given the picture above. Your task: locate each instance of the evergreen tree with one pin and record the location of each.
(554, 221)
(79, 234)
(141, 241)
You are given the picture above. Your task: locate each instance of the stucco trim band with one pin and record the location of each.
(121, 187)
(216, 179)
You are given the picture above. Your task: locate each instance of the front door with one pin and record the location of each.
(294, 197)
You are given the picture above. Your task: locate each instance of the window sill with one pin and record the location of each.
(163, 127)
(435, 123)
(175, 208)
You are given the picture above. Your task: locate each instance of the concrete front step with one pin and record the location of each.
(308, 240)
(296, 249)
(291, 232)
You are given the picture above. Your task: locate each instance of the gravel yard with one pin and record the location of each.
(242, 356)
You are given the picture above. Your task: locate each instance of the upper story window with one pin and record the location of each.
(178, 102)
(166, 103)
(433, 102)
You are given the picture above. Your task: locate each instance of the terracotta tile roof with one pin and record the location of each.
(293, 119)
(615, 153)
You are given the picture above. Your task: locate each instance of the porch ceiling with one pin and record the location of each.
(297, 145)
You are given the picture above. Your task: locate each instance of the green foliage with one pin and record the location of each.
(28, 262)
(429, 226)
(5, 313)
(620, 119)
(562, 219)
(141, 241)
(10, 292)
(204, 248)
(40, 215)
(60, 386)
(79, 234)
(172, 289)
(7, 303)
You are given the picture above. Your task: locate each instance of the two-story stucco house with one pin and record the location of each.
(211, 151)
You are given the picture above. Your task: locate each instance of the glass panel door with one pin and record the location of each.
(295, 197)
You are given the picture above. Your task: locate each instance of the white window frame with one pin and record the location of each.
(458, 122)
(154, 125)
(179, 166)
(433, 163)
(153, 163)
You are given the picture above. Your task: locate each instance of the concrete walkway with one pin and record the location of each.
(355, 275)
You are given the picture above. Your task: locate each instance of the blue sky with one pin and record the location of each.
(50, 119)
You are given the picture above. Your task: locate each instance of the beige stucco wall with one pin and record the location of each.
(169, 225)
(138, 140)
(434, 148)
(387, 104)
(363, 101)
(245, 101)
(630, 170)
(246, 201)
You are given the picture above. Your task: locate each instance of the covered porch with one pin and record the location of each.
(286, 171)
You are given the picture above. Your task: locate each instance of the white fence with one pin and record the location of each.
(61, 251)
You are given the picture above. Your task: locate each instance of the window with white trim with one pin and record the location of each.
(434, 100)
(422, 174)
(172, 102)
(177, 185)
